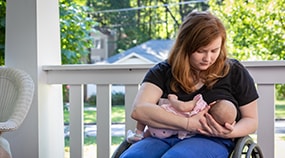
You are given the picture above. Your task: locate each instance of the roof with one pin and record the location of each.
(152, 51)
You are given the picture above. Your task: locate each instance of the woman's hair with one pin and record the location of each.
(197, 30)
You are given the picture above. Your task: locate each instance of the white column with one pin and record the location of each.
(33, 40)
(76, 121)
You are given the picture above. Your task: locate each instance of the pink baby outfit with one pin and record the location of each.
(164, 133)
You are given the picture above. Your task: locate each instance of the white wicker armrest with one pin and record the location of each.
(16, 95)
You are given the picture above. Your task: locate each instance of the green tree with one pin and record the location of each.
(75, 35)
(110, 19)
(137, 21)
(256, 29)
(75, 27)
(2, 30)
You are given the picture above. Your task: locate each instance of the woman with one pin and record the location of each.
(197, 64)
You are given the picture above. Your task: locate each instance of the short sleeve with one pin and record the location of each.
(158, 75)
(243, 85)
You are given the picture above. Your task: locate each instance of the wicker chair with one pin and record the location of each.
(245, 148)
(16, 94)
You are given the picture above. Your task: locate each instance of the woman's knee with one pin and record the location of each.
(148, 147)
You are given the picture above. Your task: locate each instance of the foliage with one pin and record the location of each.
(280, 91)
(118, 98)
(75, 35)
(2, 30)
(256, 28)
(76, 27)
(137, 21)
(80, 2)
(92, 100)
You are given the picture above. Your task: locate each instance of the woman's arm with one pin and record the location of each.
(146, 111)
(246, 125)
(249, 120)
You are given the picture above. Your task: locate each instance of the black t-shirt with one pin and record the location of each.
(237, 86)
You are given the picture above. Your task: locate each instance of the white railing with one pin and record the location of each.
(265, 73)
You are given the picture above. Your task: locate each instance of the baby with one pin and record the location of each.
(222, 111)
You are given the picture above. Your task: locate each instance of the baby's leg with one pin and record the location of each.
(200, 104)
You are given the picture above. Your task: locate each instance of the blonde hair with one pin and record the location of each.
(197, 30)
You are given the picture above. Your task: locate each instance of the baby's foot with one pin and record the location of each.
(133, 137)
(198, 97)
(200, 104)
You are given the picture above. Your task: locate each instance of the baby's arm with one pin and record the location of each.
(181, 105)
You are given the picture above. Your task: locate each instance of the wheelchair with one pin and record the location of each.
(245, 148)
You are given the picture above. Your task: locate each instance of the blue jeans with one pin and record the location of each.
(197, 146)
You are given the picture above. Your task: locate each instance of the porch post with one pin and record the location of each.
(33, 40)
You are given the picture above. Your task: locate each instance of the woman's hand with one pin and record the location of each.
(193, 122)
(212, 128)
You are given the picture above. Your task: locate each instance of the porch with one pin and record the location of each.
(33, 45)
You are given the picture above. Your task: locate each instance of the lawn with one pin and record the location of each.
(118, 115)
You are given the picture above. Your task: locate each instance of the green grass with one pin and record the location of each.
(116, 140)
(118, 115)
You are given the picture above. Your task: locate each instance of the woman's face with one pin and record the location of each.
(207, 55)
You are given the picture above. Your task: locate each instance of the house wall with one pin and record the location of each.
(104, 46)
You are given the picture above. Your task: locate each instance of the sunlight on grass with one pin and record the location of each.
(90, 116)
(118, 115)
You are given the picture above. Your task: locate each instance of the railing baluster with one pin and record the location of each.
(130, 94)
(103, 120)
(76, 121)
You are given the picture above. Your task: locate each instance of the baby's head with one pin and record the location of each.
(223, 111)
